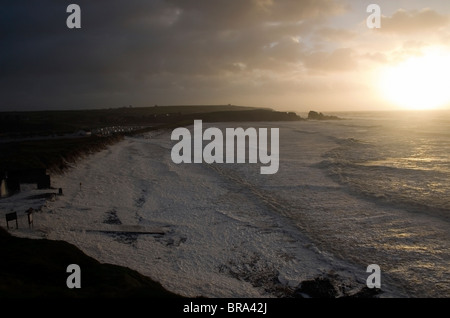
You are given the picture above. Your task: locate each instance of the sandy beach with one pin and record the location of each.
(180, 225)
(221, 230)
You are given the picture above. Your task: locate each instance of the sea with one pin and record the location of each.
(372, 188)
(369, 189)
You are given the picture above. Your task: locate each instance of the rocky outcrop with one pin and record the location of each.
(331, 286)
(312, 115)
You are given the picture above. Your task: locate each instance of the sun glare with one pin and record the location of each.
(421, 82)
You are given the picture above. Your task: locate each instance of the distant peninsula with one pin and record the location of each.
(312, 115)
(54, 139)
(129, 119)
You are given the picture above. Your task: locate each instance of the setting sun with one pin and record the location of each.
(420, 82)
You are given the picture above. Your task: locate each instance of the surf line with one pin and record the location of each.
(213, 152)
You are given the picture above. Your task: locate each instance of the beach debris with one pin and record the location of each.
(112, 218)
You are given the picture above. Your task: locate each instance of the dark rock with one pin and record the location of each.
(320, 287)
(365, 292)
(312, 115)
(331, 286)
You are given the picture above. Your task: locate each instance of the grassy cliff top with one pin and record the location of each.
(69, 121)
(20, 150)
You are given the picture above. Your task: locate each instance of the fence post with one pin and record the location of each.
(30, 217)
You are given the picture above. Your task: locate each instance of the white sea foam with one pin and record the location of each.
(229, 231)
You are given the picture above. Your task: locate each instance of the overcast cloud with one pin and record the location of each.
(273, 53)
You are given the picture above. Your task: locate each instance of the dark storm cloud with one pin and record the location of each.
(41, 43)
(220, 14)
(139, 50)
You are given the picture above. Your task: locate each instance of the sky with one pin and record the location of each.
(290, 55)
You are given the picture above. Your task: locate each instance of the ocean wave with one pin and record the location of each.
(423, 191)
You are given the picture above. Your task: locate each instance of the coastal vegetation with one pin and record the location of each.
(54, 140)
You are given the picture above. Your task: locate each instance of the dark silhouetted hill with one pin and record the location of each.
(37, 269)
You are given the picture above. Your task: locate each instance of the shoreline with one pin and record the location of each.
(173, 239)
(110, 219)
(34, 279)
